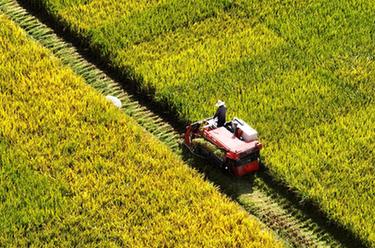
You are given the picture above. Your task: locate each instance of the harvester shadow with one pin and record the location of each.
(228, 184)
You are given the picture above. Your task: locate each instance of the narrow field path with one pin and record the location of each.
(286, 217)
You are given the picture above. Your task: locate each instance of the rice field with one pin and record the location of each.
(76, 171)
(300, 72)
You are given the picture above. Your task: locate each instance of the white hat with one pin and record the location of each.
(114, 100)
(219, 103)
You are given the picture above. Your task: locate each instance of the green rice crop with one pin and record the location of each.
(295, 70)
(208, 146)
(76, 171)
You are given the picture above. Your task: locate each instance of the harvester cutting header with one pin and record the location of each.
(233, 146)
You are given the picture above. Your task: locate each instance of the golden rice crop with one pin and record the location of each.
(75, 171)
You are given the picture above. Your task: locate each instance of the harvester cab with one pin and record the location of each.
(234, 147)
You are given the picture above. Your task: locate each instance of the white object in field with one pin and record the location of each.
(249, 133)
(114, 100)
(219, 103)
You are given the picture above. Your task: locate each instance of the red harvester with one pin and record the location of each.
(234, 147)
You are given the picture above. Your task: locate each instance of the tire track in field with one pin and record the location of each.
(259, 198)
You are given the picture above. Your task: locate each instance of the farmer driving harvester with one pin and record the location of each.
(220, 113)
(233, 146)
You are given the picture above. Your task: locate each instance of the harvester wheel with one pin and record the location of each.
(201, 152)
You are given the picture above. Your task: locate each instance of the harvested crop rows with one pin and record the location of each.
(75, 171)
(262, 200)
(304, 69)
